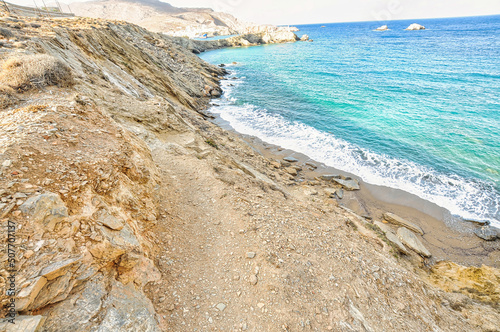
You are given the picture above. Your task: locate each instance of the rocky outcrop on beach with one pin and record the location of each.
(415, 26)
(199, 46)
(129, 211)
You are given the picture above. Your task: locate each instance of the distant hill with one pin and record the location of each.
(159, 16)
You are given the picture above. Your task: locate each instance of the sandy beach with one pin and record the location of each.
(447, 237)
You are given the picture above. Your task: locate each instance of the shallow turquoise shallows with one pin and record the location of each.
(414, 110)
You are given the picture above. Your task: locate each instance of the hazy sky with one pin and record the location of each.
(326, 11)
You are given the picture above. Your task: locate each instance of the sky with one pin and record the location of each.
(329, 11)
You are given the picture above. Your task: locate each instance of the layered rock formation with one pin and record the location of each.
(132, 212)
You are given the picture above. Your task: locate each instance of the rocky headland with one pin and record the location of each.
(124, 209)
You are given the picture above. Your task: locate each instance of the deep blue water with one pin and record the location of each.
(414, 110)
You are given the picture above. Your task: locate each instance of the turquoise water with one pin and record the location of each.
(413, 110)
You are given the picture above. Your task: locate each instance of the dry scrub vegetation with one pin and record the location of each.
(7, 96)
(25, 72)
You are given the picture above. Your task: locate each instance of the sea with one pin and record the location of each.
(412, 110)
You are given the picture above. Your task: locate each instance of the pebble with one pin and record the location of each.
(253, 279)
(7, 163)
(221, 306)
(251, 254)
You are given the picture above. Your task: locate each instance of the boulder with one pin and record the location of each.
(47, 209)
(415, 26)
(389, 234)
(487, 233)
(350, 184)
(410, 239)
(304, 38)
(391, 237)
(396, 220)
(329, 177)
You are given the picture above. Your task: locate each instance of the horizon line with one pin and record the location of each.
(396, 20)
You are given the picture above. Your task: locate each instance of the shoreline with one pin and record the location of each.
(447, 237)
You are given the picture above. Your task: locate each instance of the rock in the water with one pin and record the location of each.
(304, 38)
(487, 233)
(410, 239)
(350, 184)
(415, 26)
(47, 209)
(396, 220)
(23, 324)
(382, 28)
(291, 159)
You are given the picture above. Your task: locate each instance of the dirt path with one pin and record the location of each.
(241, 257)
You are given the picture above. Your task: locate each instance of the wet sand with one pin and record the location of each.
(447, 237)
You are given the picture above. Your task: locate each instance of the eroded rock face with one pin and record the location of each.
(45, 209)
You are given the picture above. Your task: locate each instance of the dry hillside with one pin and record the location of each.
(130, 211)
(162, 17)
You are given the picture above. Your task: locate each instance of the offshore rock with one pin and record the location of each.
(415, 26)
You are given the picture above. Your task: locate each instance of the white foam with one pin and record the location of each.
(467, 198)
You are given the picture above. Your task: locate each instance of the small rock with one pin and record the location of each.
(311, 165)
(339, 193)
(260, 305)
(291, 159)
(292, 171)
(487, 233)
(253, 280)
(7, 163)
(221, 306)
(410, 239)
(251, 255)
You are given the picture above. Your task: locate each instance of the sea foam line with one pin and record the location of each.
(466, 198)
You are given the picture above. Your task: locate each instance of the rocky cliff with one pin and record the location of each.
(124, 209)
